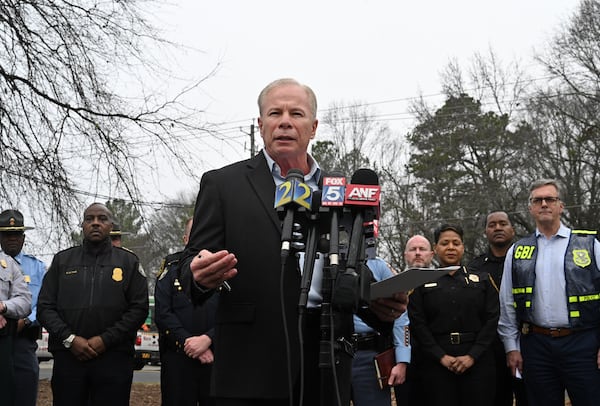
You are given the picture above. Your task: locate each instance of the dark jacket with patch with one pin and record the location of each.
(464, 303)
(94, 290)
(176, 316)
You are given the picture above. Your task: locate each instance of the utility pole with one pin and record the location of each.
(251, 134)
(252, 150)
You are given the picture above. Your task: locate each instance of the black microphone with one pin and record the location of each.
(310, 252)
(362, 198)
(334, 188)
(290, 194)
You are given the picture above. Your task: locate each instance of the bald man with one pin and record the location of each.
(417, 254)
(92, 301)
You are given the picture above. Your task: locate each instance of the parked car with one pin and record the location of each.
(146, 341)
(42, 350)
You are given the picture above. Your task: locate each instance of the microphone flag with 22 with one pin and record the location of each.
(290, 195)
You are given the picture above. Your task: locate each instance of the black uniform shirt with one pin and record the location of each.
(490, 264)
(176, 317)
(94, 290)
(461, 303)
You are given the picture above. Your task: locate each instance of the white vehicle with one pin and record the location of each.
(146, 341)
(42, 349)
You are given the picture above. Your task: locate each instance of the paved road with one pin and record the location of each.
(149, 374)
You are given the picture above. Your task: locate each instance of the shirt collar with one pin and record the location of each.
(563, 232)
(312, 176)
(492, 258)
(19, 257)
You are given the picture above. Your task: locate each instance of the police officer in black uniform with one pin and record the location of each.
(93, 299)
(453, 324)
(500, 233)
(186, 334)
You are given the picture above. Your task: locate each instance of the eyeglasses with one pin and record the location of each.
(549, 200)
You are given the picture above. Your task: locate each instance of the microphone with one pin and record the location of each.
(334, 188)
(362, 197)
(311, 249)
(290, 194)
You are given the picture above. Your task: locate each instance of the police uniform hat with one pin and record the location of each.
(12, 220)
(116, 230)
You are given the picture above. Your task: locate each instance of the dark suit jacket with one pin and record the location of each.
(234, 211)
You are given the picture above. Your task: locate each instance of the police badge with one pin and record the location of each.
(581, 258)
(117, 274)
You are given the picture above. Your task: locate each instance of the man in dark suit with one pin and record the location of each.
(236, 237)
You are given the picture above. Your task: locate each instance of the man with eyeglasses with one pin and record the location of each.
(550, 306)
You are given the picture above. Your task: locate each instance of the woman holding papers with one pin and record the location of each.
(453, 324)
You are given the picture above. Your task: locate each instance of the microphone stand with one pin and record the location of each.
(310, 254)
(327, 364)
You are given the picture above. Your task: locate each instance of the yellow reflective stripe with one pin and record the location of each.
(528, 303)
(515, 305)
(574, 313)
(585, 298)
(520, 291)
(591, 232)
(588, 298)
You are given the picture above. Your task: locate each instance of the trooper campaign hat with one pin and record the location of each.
(116, 230)
(12, 220)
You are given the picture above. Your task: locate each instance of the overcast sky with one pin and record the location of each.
(380, 52)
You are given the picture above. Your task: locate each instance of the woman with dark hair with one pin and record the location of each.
(453, 324)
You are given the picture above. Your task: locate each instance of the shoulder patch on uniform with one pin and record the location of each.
(141, 270)
(126, 250)
(3, 263)
(163, 272)
(161, 269)
(473, 277)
